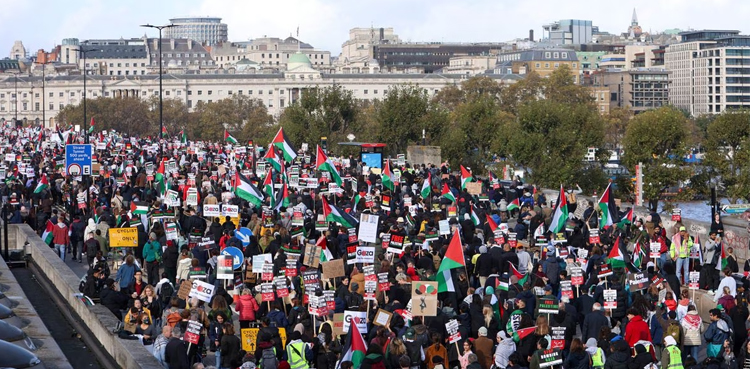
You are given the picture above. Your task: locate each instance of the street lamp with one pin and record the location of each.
(161, 118)
(15, 101)
(44, 110)
(85, 121)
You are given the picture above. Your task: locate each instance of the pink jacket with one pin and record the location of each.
(246, 306)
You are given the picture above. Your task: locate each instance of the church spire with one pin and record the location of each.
(634, 21)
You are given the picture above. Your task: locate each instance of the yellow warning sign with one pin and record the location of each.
(123, 237)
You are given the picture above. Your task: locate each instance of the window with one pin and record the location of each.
(24, 95)
(190, 103)
(50, 95)
(3, 95)
(538, 65)
(36, 95)
(25, 106)
(229, 92)
(281, 92)
(281, 103)
(366, 92)
(548, 55)
(119, 65)
(546, 65)
(166, 93)
(249, 92)
(143, 93)
(200, 92)
(575, 65)
(190, 93)
(61, 94)
(209, 92)
(375, 92)
(72, 94)
(270, 92)
(557, 65)
(179, 93)
(260, 92)
(239, 92)
(127, 65)
(36, 106)
(556, 55)
(564, 55)
(270, 103)
(51, 106)
(111, 65)
(127, 72)
(61, 107)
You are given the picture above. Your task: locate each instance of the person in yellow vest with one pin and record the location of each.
(297, 352)
(597, 354)
(680, 253)
(671, 357)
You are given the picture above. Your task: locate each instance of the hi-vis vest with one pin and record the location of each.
(296, 353)
(675, 358)
(683, 248)
(597, 361)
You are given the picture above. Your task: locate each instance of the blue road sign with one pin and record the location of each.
(237, 257)
(78, 160)
(243, 234)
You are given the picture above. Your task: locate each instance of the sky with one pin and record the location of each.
(325, 24)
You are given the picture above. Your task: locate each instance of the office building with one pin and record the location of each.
(708, 73)
(542, 61)
(204, 30)
(637, 89)
(427, 57)
(268, 53)
(569, 32)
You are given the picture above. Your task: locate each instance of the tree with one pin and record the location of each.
(174, 112)
(616, 124)
(402, 115)
(659, 139)
(123, 114)
(728, 152)
(244, 117)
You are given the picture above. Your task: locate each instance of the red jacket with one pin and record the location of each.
(637, 330)
(246, 306)
(60, 234)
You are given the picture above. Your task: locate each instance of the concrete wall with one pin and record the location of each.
(424, 155)
(128, 353)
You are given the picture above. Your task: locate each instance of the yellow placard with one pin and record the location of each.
(123, 237)
(250, 336)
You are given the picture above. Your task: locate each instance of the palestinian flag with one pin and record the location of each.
(475, 217)
(161, 180)
(454, 258)
(426, 186)
(272, 158)
(246, 191)
(515, 204)
(91, 126)
(323, 164)
(447, 193)
(465, 177)
(387, 176)
(42, 185)
(503, 285)
(615, 257)
(522, 333)
(47, 235)
(282, 143)
(183, 137)
(268, 187)
(229, 138)
(354, 348)
(609, 210)
(325, 254)
(561, 213)
(722, 264)
(283, 200)
(522, 278)
(491, 222)
(139, 207)
(639, 254)
(334, 214)
(356, 199)
(163, 132)
(627, 219)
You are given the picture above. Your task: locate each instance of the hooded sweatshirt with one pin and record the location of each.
(90, 228)
(692, 325)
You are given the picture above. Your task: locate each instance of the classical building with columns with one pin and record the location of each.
(276, 91)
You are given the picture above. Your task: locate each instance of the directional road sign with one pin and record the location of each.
(243, 234)
(78, 160)
(237, 257)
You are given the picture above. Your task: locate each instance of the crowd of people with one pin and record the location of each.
(591, 295)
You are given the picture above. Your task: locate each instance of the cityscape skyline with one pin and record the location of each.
(325, 24)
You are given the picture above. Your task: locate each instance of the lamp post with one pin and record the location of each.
(161, 118)
(15, 101)
(44, 110)
(85, 121)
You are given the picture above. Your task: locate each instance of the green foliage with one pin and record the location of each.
(728, 152)
(401, 115)
(659, 139)
(128, 114)
(244, 117)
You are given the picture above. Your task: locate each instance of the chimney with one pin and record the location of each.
(156, 45)
(171, 44)
(531, 35)
(190, 44)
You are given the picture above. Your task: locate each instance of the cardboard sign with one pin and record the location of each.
(558, 337)
(266, 292)
(184, 290)
(677, 215)
(382, 318)
(202, 291)
(333, 269)
(424, 298)
(123, 237)
(610, 299)
(474, 188)
(694, 277)
(311, 256)
(655, 250)
(594, 236)
(638, 281)
(550, 358)
(193, 332)
(548, 305)
(576, 276)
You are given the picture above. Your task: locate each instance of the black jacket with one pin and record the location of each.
(230, 348)
(175, 354)
(113, 300)
(593, 324)
(170, 257)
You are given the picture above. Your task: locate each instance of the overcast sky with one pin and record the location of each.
(325, 23)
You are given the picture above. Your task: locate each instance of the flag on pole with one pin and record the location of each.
(183, 137)
(723, 261)
(334, 214)
(324, 164)
(627, 219)
(387, 176)
(426, 186)
(229, 138)
(539, 231)
(515, 204)
(522, 278)
(268, 187)
(354, 348)
(561, 213)
(47, 235)
(161, 180)
(91, 126)
(245, 190)
(272, 158)
(138, 207)
(465, 177)
(454, 258)
(283, 200)
(447, 193)
(615, 257)
(475, 217)
(491, 222)
(639, 254)
(42, 185)
(356, 199)
(282, 143)
(523, 333)
(608, 207)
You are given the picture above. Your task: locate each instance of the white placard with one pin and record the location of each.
(259, 261)
(202, 290)
(368, 228)
(365, 254)
(358, 317)
(231, 211)
(445, 227)
(211, 210)
(192, 197)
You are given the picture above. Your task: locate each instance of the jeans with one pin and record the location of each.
(77, 250)
(692, 350)
(60, 250)
(218, 359)
(661, 261)
(683, 270)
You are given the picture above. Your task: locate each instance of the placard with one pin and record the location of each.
(498, 236)
(558, 337)
(357, 317)
(224, 268)
(172, 199)
(123, 237)
(266, 292)
(184, 291)
(474, 188)
(655, 250)
(548, 305)
(445, 227)
(333, 269)
(267, 272)
(192, 197)
(610, 299)
(250, 337)
(202, 291)
(291, 268)
(594, 236)
(605, 271)
(259, 261)
(385, 240)
(170, 230)
(311, 281)
(583, 254)
(193, 332)
(424, 298)
(282, 290)
(382, 318)
(576, 276)
(694, 277)
(550, 358)
(677, 215)
(368, 228)
(638, 281)
(566, 290)
(452, 211)
(383, 283)
(231, 211)
(298, 219)
(452, 328)
(311, 256)
(330, 299)
(396, 244)
(365, 254)
(512, 240)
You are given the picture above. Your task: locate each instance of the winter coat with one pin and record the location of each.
(692, 326)
(483, 349)
(60, 234)
(637, 330)
(593, 324)
(618, 360)
(183, 268)
(577, 360)
(246, 306)
(278, 317)
(373, 361)
(717, 332)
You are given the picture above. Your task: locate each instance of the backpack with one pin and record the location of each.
(82, 284)
(268, 359)
(173, 318)
(165, 293)
(674, 330)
